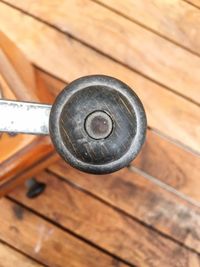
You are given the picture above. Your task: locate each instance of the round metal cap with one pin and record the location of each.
(98, 124)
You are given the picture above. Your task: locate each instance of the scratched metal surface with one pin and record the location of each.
(24, 117)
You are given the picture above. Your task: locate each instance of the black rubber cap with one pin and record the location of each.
(98, 124)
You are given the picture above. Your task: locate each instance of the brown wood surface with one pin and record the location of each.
(68, 59)
(196, 3)
(17, 70)
(156, 58)
(19, 81)
(10, 257)
(159, 157)
(104, 226)
(177, 20)
(145, 215)
(144, 199)
(170, 163)
(45, 242)
(25, 164)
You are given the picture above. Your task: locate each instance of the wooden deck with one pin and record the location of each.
(149, 213)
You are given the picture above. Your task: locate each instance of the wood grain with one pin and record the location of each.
(19, 154)
(159, 157)
(171, 164)
(19, 74)
(143, 199)
(45, 242)
(18, 80)
(194, 2)
(10, 257)
(175, 20)
(68, 59)
(109, 229)
(26, 163)
(16, 68)
(124, 40)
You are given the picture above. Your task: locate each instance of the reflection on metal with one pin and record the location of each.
(24, 117)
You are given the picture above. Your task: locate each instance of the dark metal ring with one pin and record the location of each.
(136, 140)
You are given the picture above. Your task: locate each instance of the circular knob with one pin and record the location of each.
(98, 124)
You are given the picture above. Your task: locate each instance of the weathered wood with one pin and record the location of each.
(20, 152)
(68, 59)
(45, 242)
(104, 226)
(19, 67)
(123, 39)
(175, 20)
(13, 80)
(159, 157)
(54, 85)
(18, 81)
(94, 214)
(144, 199)
(20, 75)
(22, 166)
(171, 164)
(10, 257)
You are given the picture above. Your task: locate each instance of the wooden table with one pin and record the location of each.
(21, 155)
(144, 215)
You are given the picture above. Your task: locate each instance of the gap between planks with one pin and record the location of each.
(180, 132)
(70, 232)
(151, 30)
(120, 210)
(63, 83)
(76, 188)
(32, 262)
(103, 53)
(192, 3)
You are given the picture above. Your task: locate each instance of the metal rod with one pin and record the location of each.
(24, 117)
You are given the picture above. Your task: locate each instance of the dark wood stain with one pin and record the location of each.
(18, 212)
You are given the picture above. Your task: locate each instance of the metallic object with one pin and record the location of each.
(34, 187)
(24, 117)
(97, 123)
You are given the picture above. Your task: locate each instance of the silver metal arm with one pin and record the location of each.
(24, 117)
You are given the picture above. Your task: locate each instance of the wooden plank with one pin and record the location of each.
(123, 39)
(21, 165)
(159, 157)
(21, 67)
(45, 242)
(13, 80)
(19, 81)
(68, 59)
(8, 185)
(10, 257)
(143, 199)
(171, 164)
(19, 74)
(194, 2)
(175, 20)
(109, 229)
